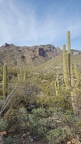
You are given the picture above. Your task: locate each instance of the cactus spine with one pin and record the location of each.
(5, 80)
(65, 65)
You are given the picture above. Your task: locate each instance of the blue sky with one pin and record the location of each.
(35, 22)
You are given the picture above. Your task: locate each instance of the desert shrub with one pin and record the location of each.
(10, 115)
(1, 102)
(61, 101)
(48, 123)
(17, 119)
(39, 112)
(78, 128)
(25, 95)
(43, 123)
(3, 124)
(40, 123)
(12, 71)
(69, 118)
(74, 122)
(1, 92)
(47, 89)
(57, 136)
(22, 118)
(37, 128)
(10, 140)
(1, 69)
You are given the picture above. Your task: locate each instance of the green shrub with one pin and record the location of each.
(39, 112)
(12, 71)
(1, 101)
(36, 120)
(22, 118)
(1, 92)
(3, 124)
(57, 136)
(25, 95)
(10, 140)
(17, 119)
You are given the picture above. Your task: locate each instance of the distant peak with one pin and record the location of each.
(6, 44)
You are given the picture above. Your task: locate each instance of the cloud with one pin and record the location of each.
(15, 25)
(22, 25)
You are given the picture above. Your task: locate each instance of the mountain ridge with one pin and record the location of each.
(29, 55)
(23, 55)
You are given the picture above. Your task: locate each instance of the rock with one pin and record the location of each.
(42, 52)
(75, 141)
(3, 133)
(17, 55)
(1, 141)
(23, 142)
(68, 142)
(24, 135)
(6, 45)
(31, 139)
(28, 133)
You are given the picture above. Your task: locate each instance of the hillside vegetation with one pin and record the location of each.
(40, 103)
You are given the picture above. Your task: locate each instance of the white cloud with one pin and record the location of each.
(25, 27)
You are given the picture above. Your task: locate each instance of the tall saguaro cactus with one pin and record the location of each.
(65, 65)
(5, 80)
(74, 89)
(77, 76)
(57, 85)
(71, 79)
(69, 56)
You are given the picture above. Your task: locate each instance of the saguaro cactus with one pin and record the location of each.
(22, 75)
(5, 80)
(72, 83)
(65, 65)
(57, 85)
(25, 75)
(77, 76)
(72, 77)
(74, 101)
(74, 89)
(69, 57)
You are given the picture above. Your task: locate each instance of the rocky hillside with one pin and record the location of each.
(35, 55)
(25, 55)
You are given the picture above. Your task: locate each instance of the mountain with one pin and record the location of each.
(34, 55)
(75, 52)
(25, 55)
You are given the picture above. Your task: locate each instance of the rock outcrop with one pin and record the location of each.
(16, 55)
